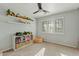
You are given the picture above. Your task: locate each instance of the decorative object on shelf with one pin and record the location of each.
(18, 34)
(27, 33)
(23, 33)
(11, 13)
(22, 19)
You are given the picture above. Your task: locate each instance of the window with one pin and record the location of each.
(48, 26)
(51, 26)
(59, 25)
(45, 26)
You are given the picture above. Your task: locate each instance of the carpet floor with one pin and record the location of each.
(44, 49)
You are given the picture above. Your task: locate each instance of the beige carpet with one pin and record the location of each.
(44, 49)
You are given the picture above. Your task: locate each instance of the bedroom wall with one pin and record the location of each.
(7, 29)
(71, 29)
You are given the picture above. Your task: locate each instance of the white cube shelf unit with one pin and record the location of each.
(21, 41)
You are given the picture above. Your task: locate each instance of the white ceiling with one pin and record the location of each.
(28, 8)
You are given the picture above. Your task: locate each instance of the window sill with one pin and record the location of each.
(51, 33)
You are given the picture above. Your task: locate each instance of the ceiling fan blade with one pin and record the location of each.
(35, 12)
(39, 5)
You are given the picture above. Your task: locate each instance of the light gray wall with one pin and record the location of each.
(71, 29)
(8, 29)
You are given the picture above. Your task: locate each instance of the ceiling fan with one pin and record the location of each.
(40, 9)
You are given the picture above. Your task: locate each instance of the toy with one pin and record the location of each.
(18, 34)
